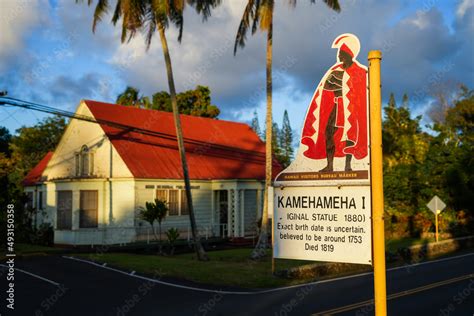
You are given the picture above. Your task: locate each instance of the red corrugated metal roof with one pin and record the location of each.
(34, 176)
(215, 149)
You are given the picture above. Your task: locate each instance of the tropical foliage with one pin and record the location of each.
(19, 153)
(419, 164)
(154, 211)
(195, 102)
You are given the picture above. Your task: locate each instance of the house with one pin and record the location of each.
(116, 158)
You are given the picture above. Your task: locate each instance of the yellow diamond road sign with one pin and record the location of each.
(436, 205)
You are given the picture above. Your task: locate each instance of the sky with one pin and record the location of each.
(49, 55)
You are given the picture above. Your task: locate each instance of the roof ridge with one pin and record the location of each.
(168, 113)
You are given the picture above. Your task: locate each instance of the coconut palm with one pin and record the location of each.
(150, 16)
(258, 14)
(131, 97)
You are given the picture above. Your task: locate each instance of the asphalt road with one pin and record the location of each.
(54, 285)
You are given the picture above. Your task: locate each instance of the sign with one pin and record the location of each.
(323, 223)
(334, 139)
(322, 206)
(436, 205)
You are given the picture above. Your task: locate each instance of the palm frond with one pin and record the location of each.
(248, 16)
(151, 27)
(175, 15)
(123, 36)
(204, 7)
(101, 9)
(117, 12)
(333, 4)
(256, 16)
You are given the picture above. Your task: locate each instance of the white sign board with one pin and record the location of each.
(322, 206)
(436, 204)
(323, 224)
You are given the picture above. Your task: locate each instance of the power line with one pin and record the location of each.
(128, 128)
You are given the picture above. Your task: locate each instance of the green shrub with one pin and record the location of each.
(172, 234)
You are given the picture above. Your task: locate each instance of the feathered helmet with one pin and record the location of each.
(348, 43)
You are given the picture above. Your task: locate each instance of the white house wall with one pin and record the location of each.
(242, 214)
(77, 134)
(113, 227)
(202, 202)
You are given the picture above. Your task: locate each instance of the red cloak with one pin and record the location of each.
(351, 116)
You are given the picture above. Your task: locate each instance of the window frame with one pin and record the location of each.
(84, 162)
(83, 217)
(58, 225)
(181, 200)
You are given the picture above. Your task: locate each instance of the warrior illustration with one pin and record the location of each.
(336, 121)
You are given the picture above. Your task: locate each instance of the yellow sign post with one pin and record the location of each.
(436, 223)
(378, 234)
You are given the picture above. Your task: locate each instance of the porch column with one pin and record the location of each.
(242, 213)
(230, 212)
(236, 212)
(213, 211)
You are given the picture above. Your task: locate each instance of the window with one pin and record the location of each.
(64, 210)
(173, 202)
(84, 161)
(176, 201)
(162, 195)
(88, 215)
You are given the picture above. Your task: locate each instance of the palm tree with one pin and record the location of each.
(154, 212)
(131, 97)
(152, 15)
(258, 14)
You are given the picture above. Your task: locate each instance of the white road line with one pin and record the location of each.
(263, 291)
(32, 274)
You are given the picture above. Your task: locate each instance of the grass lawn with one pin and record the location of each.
(226, 267)
(31, 250)
(26, 249)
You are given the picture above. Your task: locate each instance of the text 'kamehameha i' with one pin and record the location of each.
(321, 202)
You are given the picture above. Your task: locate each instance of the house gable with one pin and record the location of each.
(104, 157)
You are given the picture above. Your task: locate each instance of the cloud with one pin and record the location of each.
(418, 45)
(66, 88)
(463, 7)
(17, 19)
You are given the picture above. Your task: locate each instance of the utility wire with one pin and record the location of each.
(128, 128)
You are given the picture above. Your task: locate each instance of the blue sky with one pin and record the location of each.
(49, 55)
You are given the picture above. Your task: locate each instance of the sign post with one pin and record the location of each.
(436, 205)
(378, 234)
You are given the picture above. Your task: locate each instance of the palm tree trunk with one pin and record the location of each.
(200, 253)
(261, 246)
(154, 232)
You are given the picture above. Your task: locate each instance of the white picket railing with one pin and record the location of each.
(126, 235)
